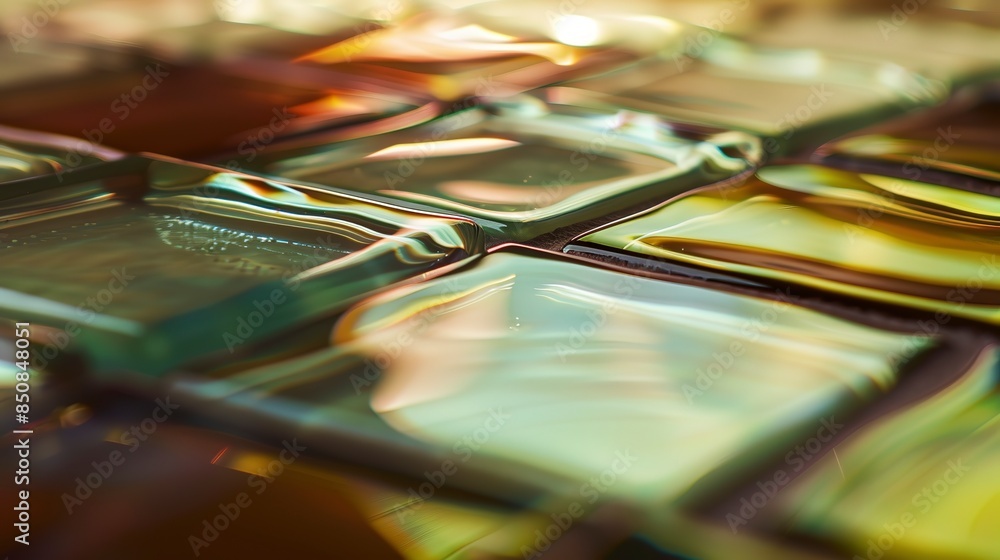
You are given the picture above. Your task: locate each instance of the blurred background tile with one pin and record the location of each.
(854, 234)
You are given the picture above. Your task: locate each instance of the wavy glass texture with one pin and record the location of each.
(17, 162)
(791, 97)
(186, 260)
(759, 203)
(566, 369)
(25, 154)
(584, 373)
(960, 140)
(502, 48)
(523, 167)
(932, 468)
(870, 236)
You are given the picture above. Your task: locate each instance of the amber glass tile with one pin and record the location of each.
(196, 111)
(918, 484)
(870, 236)
(323, 508)
(960, 139)
(501, 48)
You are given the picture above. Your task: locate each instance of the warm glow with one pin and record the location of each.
(457, 147)
(577, 31)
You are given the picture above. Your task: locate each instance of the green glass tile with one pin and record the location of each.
(918, 484)
(549, 372)
(25, 154)
(524, 167)
(793, 98)
(156, 262)
(870, 236)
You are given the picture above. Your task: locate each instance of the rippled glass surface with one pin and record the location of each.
(959, 139)
(500, 48)
(524, 167)
(190, 260)
(548, 368)
(932, 467)
(871, 236)
(790, 96)
(25, 154)
(498, 279)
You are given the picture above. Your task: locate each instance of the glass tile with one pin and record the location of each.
(862, 235)
(157, 262)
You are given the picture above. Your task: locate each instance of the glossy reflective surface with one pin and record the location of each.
(869, 236)
(194, 246)
(933, 467)
(25, 154)
(501, 48)
(961, 140)
(530, 362)
(496, 279)
(782, 94)
(950, 42)
(524, 167)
